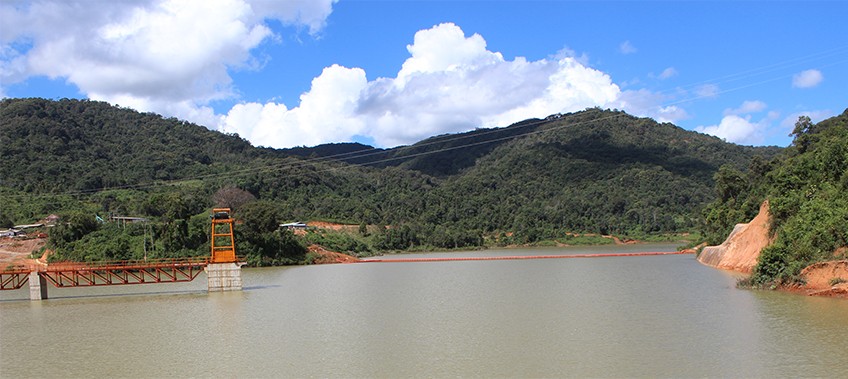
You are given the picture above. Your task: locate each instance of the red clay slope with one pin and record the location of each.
(739, 252)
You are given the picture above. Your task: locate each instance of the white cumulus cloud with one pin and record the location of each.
(168, 56)
(450, 83)
(747, 107)
(323, 116)
(807, 79)
(736, 129)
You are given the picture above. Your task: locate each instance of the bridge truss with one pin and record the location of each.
(74, 274)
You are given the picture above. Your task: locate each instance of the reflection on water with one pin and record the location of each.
(601, 317)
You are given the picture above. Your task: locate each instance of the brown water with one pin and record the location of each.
(657, 316)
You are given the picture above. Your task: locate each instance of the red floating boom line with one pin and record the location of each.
(517, 257)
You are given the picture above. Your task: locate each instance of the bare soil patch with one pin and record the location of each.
(327, 257)
(742, 248)
(15, 251)
(824, 279)
(740, 251)
(333, 226)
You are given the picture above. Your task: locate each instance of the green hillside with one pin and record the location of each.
(72, 145)
(592, 171)
(807, 189)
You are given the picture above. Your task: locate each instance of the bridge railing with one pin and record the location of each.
(125, 264)
(17, 269)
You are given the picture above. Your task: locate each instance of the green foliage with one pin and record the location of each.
(107, 242)
(585, 240)
(772, 265)
(73, 227)
(184, 237)
(401, 238)
(808, 199)
(259, 238)
(739, 196)
(451, 238)
(5, 221)
(802, 133)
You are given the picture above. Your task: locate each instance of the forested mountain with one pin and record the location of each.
(592, 135)
(590, 171)
(807, 189)
(71, 145)
(348, 152)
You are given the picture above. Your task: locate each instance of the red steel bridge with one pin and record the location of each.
(73, 274)
(222, 268)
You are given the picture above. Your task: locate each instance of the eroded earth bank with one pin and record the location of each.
(740, 251)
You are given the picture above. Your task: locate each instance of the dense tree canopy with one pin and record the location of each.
(592, 171)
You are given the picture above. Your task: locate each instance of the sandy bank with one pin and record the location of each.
(824, 279)
(742, 249)
(739, 252)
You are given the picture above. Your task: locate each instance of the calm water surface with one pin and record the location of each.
(657, 316)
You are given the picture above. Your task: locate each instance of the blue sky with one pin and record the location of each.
(293, 73)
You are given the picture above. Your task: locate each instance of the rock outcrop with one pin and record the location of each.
(739, 252)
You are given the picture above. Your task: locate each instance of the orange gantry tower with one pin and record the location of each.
(222, 240)
(223, 272)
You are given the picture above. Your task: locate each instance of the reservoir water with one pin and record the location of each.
(655, 316)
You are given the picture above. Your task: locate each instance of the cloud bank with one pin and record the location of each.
(450, 83)
(168, 56)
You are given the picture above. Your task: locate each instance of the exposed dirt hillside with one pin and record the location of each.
(333, 226)
(825, 279)
(739, 252)
(17, 251)
(742, 248)
(325, 256)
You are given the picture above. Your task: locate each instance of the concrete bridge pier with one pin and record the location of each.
(37, 286)
(224, 276)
